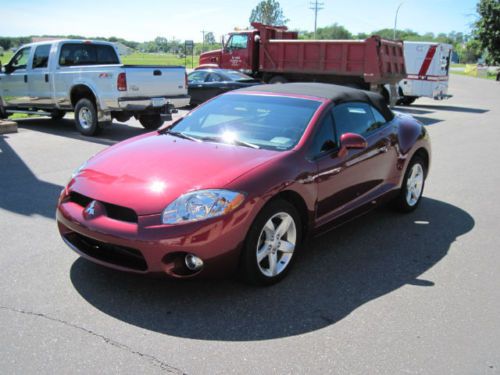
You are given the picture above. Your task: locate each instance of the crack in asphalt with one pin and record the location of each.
(155, 361)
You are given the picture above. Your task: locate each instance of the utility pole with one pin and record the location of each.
(316, 7)
(203, 41)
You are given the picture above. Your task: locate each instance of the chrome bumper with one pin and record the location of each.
(139, 104)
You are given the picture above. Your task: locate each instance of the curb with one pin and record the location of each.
(7, 126)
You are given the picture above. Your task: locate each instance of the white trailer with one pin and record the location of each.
(427, 67)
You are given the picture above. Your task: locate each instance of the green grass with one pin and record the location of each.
(457, 65)
(157, 59)
(6, 57)
(489, 75)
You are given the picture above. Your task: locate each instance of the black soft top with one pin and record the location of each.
(338, 94)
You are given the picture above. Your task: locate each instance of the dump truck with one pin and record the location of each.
(276, 55)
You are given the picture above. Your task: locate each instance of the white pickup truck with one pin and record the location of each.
(87, 78)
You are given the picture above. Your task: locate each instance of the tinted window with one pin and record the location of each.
(353, 118)
(197, 76)
(87, 54)
(213, 77)
(379, 119)
(20, 59)
(238, 41)
(41, 57)
(271, 122)
(324, 138)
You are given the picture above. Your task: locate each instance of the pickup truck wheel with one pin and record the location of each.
(151, 121)
(86, 117)
(57, 115)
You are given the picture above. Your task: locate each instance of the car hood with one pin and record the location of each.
(149, 172)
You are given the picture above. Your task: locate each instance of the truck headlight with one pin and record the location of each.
(201, 205)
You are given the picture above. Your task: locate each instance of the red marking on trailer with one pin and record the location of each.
(427, 61)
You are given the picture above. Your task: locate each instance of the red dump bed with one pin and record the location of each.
(376, 60)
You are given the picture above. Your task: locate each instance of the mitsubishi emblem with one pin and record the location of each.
(90, 210)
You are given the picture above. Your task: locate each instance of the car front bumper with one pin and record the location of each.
(150, 247)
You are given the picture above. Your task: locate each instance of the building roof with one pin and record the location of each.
(337, 94)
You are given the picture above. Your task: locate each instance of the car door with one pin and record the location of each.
(351, 179)
(236, 53)
(196, 81)
(15, 80)
(40, 88)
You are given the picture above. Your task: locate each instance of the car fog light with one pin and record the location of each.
(193, 263)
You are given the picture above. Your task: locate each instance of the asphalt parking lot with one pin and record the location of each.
(384, 294)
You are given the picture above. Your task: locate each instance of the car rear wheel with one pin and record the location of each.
(151, 122)
(413, 186)
(86, 117)
(271, 244)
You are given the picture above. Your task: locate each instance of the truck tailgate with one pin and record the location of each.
(155, 81)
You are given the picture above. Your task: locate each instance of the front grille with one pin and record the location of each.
(113, 254)
(112, 210)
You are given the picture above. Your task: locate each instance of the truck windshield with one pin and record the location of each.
(270, 122)
(87, 54)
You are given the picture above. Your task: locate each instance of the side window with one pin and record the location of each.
(353, 118)
(197, 76)
(213, 77)
(41, 57)
(20, 59)
(324, 139)
(77, 54)
(238, 41)
(379, 120)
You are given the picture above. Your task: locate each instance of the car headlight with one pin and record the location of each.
(201, 205)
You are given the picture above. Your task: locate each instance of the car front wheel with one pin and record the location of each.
(271, 244)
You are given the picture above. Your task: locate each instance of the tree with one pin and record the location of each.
(334, 31)
(488, 29)
(268, 12)
(210, 38)
(161, 43)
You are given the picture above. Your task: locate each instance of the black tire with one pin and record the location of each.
(278, 79)
(122, 117)
(3, 114)
(250, 270)
(151, 122)
(57, 115)
(401, 202)
(86, 117)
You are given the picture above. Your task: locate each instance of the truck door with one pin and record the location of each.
(15, 80)
(40, 88)
(236, 53)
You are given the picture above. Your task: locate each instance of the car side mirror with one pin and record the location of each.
(351, 141)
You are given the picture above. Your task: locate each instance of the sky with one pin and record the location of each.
(146, 19)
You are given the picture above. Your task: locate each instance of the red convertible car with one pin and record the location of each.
(241, 181)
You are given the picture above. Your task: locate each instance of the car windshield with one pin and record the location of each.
(263, 121)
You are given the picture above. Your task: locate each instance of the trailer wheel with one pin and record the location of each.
(278, 79)
(151, 122)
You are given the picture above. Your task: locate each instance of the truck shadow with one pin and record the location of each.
(20, 190)
(449, 108)
(66, 128)
(337, 273)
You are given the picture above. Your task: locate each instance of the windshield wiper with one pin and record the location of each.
(233, 141)
(181, 135)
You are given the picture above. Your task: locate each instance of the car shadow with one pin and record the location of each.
(450, 108)
(66, 128)
(20, 190)
(335, 274)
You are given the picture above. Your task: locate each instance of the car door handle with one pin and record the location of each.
(25, 78)
(46, 78)
(157, 73)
